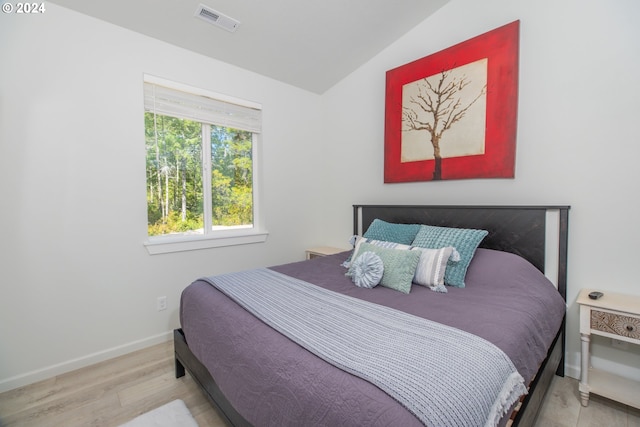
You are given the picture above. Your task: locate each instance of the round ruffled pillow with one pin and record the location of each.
(366, 270)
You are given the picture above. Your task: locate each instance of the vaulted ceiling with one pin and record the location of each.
(311, 44)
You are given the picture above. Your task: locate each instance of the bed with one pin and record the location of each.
(256, 375)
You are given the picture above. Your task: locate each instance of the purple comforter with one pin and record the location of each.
(273, 381)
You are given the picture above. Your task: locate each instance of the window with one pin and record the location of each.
(201, 155)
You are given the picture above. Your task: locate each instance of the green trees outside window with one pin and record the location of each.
(196, 169)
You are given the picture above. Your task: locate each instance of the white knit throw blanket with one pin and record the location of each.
(444, 376)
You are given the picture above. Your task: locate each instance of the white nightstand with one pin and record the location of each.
(323, 251)
(614, 316)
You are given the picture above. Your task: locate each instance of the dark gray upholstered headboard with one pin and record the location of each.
(536, 233)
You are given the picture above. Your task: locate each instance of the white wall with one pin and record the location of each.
(577, 141)
(77, 284)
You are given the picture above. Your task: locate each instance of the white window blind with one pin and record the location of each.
(201, 107)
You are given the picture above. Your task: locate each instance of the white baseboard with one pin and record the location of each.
(81, 362)
(625, 371)
(572, 371)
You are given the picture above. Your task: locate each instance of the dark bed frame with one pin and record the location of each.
(518, 229)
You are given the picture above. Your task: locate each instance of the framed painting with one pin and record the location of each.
(453, 114)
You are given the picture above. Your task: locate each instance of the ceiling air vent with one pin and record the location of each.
(216, 18)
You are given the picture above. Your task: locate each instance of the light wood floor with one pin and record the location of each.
(113, 392)
(106, 394)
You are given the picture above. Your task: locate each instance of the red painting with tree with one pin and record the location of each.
(453, 114)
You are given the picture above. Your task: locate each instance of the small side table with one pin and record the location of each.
(615, 316)
(323, 251)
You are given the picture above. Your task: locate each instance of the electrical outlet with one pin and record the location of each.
(162, 303)
(623, 345)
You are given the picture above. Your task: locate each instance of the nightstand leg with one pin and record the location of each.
(584, 371)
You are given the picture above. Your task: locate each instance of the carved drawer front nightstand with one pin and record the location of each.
(615, 316)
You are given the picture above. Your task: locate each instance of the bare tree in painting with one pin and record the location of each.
(436, 108)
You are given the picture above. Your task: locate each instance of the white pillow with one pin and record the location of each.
(431, 267)
(356, 241)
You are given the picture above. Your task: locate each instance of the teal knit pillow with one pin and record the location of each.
(399, 266)
(465, 240)
(398, 233)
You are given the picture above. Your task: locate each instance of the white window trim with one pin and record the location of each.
(168, 244)
(228, 237)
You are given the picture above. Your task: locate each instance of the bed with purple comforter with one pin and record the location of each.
(272, 381)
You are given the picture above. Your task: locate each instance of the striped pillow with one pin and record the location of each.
(431, 267)
(356, 241)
